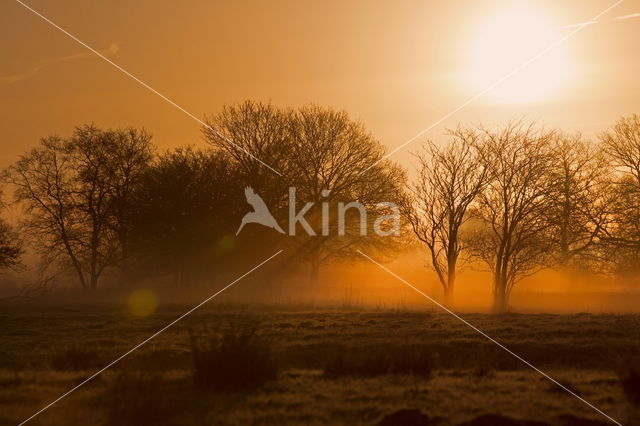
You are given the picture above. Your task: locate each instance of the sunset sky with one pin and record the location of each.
(397, 66)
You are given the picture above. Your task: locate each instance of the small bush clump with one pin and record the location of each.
(628, 370)
(76, 359)
(233, 359)
(380, 360)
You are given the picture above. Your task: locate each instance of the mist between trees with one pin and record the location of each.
(104, 207)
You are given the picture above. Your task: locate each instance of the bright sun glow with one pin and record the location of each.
(505, 41)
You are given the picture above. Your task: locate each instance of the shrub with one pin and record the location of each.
(233, 359)
(380, 360)
(628, 370)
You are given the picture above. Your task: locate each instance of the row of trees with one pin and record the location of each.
(520, 198)
(105, 201)
(517, 198)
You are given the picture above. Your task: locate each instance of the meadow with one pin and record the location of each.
(237, 365)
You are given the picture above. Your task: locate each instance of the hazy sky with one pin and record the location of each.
(397, 65)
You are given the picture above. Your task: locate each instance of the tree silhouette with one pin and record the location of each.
(324, 155)
(263, 131)
(621, 144)
(449, 180)
(71, 189)
(128, 158)
(336, 161)
(513, 239)
(188, 200)
(10, 247)
(580, 201)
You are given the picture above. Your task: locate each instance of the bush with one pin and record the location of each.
(628, 370)
(76, 359)
(233, 359)
(380, 360)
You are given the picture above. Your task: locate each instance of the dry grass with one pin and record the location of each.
(76, 358)
(423, 361)
(137, 397)
(232, 359)
(628, 369)
(379, 360)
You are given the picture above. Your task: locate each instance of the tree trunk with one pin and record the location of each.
(499, 303)
(500, 295)
(75, 262)
(94, 282)
(124, 249)
(500, 279)
(452, 260)
(93, 270)
(448, 296)
(83, 281)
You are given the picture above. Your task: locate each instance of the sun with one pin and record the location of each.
(509, 38)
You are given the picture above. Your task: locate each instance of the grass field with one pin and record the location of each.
(297, 366)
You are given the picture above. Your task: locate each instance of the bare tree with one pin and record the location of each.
(42, 179)
(513, 239)
(69, 188)
(261, 130)
(324, 155)
(336, 161)
(580, 206)
(10, 247)
(449, 180)
(621, 242)
(127, 157)
(621, 144)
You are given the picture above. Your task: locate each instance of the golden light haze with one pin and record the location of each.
(508, 39)
(397, 66)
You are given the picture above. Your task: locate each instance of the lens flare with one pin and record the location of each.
(227, 243)
(142, 303)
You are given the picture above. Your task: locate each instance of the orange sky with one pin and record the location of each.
(397, 66)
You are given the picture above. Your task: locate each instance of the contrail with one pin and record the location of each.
(617, 18)
(629, 16)
(583, 24)
(13, 78)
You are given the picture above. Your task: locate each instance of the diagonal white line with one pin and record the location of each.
(491, 87)
(146, 86)
(467, 323)
(97, 373)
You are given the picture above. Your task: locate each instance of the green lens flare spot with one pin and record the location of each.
(227, 243)
(142, 303)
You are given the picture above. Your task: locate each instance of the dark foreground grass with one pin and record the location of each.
(313, 367)
(379, 360)
(233, 359)
(628, 369)
(76, 358)
(137, 397)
